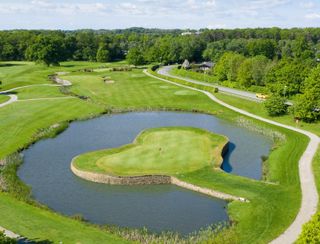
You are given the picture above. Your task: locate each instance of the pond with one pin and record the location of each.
(46, 169)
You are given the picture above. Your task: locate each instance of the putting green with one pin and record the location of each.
(165, 151)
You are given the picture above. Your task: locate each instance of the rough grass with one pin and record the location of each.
(163, 151)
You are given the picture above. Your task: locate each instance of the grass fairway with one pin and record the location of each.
(163, 151)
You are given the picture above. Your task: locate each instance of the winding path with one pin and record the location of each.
(14, 98)
(165, 70)
(308, 187)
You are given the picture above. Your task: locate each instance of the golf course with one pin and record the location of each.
(43, 113)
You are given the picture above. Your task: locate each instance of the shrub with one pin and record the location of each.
(155, 67)
(6, 240)
(276, 106)
(311, 231)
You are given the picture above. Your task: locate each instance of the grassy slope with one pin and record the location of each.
(41, 225)
(133, 90)
(164, 151)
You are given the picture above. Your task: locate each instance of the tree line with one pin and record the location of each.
(141, 46)
(281, 60)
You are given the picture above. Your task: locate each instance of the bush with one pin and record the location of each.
(311, 231)
(6, 240)
(276, 106)
(155, 67)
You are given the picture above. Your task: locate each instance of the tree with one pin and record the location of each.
(264, 47)
(135, 56)
(235, 62)
(307, 106)
(214, 50)
(276, 106)
(287, 76)
(228, 65)
(252, 71)
(47, 49)
(103, 54)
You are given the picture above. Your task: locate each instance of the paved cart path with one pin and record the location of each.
(165, 70)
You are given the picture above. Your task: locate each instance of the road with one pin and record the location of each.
(309, 191)
(165, 70)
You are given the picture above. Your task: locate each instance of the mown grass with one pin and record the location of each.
(316, 170)
(271, 209)
(4, 98)
(21, 121)
(161, 151)
(15, 74)
(39, 92)
(136, 91)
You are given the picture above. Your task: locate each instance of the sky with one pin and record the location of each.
(166, 14)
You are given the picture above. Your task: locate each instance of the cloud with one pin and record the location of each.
(158, 13)
(307, 5)
(312, 16)
(43, 6)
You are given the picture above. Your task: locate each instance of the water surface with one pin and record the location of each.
(46, 169)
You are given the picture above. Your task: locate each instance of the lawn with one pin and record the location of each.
(274, 206)
(4, 99)
(161, 151)
(316, 170)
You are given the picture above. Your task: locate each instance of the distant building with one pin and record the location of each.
(186, 64)
(206, 66)
(186, 33)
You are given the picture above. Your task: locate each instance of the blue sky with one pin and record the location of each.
(195, 14)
